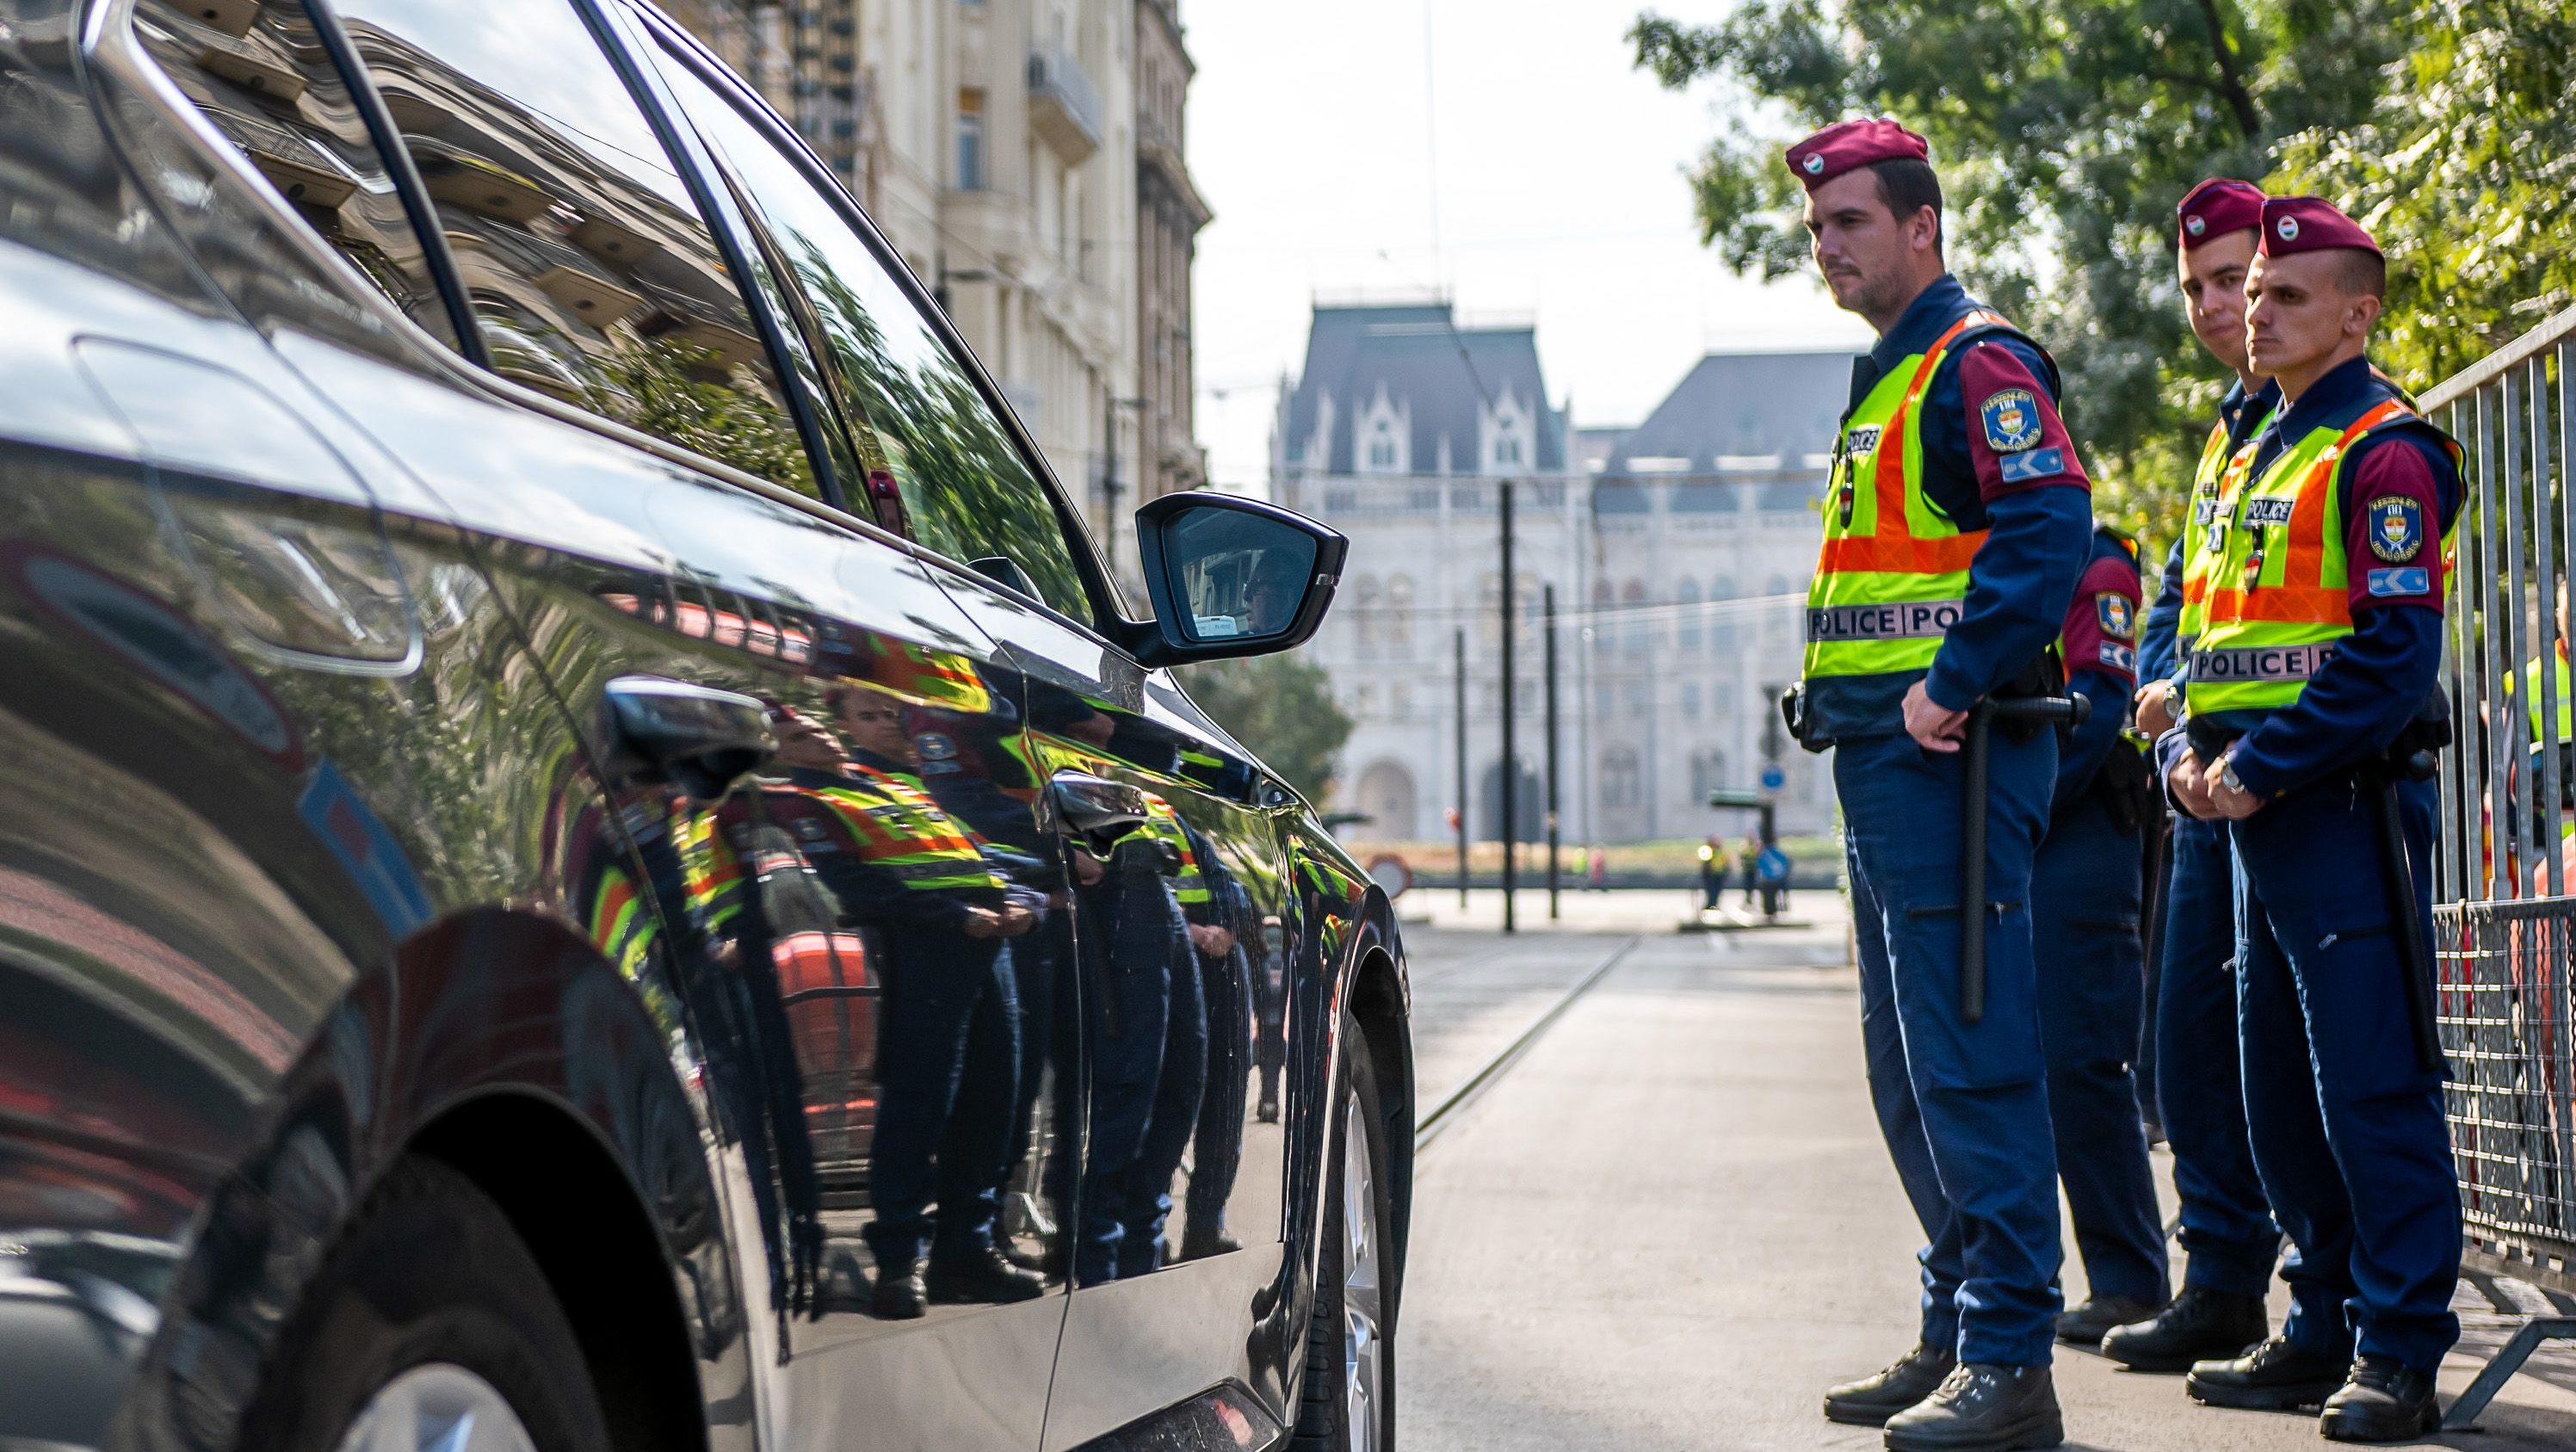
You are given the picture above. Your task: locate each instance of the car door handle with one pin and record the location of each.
(696, 738)
(1094, 808)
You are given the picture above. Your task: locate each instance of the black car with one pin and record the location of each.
(596, 861)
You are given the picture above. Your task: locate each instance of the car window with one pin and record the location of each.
(920, 426)
(587, 267)
(260, 74)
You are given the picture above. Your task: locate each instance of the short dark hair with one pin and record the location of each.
(1908, 185)
(2365, 273)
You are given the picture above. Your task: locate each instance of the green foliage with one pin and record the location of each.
(1281, 707)
(2064, 135)
(676, 391)
(2463, 171)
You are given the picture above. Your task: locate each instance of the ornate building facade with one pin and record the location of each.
(1678, 551)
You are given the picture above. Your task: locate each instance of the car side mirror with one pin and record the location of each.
(1231, 576)
(696, 738)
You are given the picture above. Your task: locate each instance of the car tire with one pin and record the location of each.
(429, 1314)
(1348, 1404)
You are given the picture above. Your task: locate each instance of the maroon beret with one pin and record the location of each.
(2217, 207)
(1850, 145)
(2309, 224)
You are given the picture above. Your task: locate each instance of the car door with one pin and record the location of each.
(1167, 1026)
(643, 492)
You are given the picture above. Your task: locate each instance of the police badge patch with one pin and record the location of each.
(935, 746)
(2011, 418)
(2117, 619)
(2396, 528)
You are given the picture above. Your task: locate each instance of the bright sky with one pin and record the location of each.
(1559, 185)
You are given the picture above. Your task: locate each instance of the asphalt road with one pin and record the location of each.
(1670, 1224)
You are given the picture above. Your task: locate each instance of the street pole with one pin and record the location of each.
(1458, 680)
(1549, 598)
(1511, 775)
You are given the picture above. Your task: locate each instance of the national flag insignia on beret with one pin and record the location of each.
(2011, 418)
(2195, 225)
(1814, 163)
(2117, 620)
(2288, 227)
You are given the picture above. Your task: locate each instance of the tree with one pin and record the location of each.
(1282, 708)
(2065, 133)
(2463, 171)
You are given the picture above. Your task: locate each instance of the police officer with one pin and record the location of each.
(2316, 664)
(2229, 1241)
(1957, 521)
(2085, 892)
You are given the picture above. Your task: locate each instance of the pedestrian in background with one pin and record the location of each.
(1957, 520)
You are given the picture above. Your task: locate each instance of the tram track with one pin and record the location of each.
(1451, 1104)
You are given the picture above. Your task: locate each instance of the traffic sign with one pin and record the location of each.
(1773, 778)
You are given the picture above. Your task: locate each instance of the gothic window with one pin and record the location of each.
(1690, 700)
(1633, 628)
(1364, 612)
(1398, 629)
(1686, 627)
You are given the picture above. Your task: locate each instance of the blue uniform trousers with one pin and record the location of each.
(1131, 1029)
(948, 1053)
(2228, 1239)
(2084, 891)
(2347, 1127)
(1964, 1107)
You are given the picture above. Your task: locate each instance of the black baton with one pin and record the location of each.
(2072, 710)
(2397, 877)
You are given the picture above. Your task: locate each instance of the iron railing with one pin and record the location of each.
(2503, 916)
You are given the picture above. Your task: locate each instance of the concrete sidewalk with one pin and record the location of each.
(1672, 1224)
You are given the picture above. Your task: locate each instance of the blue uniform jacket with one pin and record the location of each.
(2157, 660)
(2387, 670)
(2101, 663)
(2025, 572)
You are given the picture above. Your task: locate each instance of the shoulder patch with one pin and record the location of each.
(2396, 527)
(2023, 467)
(2117, 617)
(2011, 419)
(2400, 583)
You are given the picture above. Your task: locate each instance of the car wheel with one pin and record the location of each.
(1349, 1400)
(429, 1326)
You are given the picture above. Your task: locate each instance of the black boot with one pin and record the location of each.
(1198, 1244)
(2273, 1377)
(2086, 1325)
(2201, 1325)
(2383, 1402)
(985, 1275)
(899, 1295)
(1982, 1409)
(1870, 1401)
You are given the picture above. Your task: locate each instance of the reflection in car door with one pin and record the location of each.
(1178, 1247)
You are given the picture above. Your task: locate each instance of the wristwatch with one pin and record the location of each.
(2227, 775)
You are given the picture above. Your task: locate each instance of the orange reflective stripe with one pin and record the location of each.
(2288, 604)
(1901, 553)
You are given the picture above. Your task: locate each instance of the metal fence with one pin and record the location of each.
(2504, 919)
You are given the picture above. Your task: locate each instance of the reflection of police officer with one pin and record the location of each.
(2315, 674)
(2229, 1241)
(2085, 887)
(1955, 529)
(1180, 1079)
(1222, 945)
(948, 1037)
